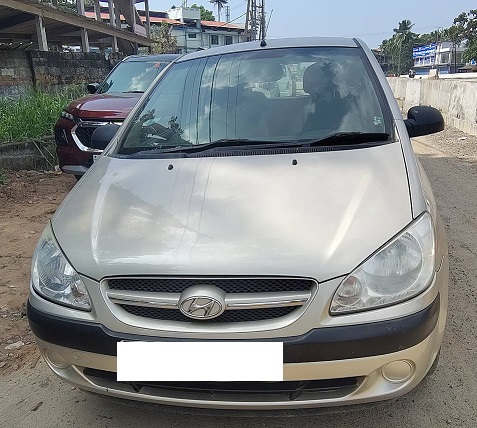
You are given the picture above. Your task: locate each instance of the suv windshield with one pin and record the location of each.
(270, 96)
(132, 76)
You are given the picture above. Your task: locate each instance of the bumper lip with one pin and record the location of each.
(321, 344)
(74, 169)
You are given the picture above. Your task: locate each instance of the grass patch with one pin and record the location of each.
(3, 177)
(33, 115)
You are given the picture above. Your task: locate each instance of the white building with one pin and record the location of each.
(445, 56)
(191, 33)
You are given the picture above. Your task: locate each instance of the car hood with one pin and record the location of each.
(319, 217)
(103, 106)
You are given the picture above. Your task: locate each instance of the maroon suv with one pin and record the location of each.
(109, 102)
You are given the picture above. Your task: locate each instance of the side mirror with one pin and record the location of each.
(423, 120)
(92, 87)
(103, 135)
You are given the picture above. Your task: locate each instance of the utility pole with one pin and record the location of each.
(227, 13)
(255, 22)
(263, 22)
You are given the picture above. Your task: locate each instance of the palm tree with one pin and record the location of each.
(402, 36)
(220, 4)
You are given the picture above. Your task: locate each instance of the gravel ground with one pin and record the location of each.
(31, 396)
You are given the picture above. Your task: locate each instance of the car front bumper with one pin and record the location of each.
(358, 364)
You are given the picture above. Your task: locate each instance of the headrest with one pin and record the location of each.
(259, 71)
(318, 77)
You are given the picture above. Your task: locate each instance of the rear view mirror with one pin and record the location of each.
(92, 87)
(423, 120)
(103, 135)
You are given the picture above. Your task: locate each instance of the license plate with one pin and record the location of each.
(200, 361)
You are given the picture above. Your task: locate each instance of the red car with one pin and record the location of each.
(109, 102)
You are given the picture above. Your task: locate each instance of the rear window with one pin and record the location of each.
(270, 95)
(132, 76)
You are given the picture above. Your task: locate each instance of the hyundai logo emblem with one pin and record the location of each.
(202, 302)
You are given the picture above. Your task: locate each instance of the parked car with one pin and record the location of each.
(220, 216)
(109, 102)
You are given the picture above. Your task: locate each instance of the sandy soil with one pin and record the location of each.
(30, 395)
(26, 203)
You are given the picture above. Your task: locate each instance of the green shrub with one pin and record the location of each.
(33, 115)
(3, 177)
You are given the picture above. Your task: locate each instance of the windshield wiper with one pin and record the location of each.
(344, 138)
(333, 139)
(341, 138)
(228, 142)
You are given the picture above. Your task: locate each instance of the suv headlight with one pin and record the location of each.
(402, 269)
(54, 278)
(65, 115)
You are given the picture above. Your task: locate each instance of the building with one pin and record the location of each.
(444, 56)
(385, 61)
(191, 33)
(49, 25)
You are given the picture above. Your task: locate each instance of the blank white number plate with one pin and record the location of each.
(200, 361)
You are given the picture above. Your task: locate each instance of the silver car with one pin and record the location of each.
(297, 230)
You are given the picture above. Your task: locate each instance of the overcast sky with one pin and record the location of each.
(371, 20)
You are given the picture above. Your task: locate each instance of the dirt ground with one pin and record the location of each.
(27, 201)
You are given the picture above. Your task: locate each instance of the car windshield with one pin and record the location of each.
(132, 76)
(276, 95)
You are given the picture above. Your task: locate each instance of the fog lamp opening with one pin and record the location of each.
(54, 359)
(398, 371)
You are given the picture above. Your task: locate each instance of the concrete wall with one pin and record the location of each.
(22, 71)
(30, 155)
(15, 73)
(455, 99)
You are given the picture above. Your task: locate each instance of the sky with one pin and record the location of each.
(370, 20)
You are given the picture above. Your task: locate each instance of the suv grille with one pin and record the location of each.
(84, 130)
(84, 133)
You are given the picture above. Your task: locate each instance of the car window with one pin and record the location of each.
(132, 76)
(160, 122)
(270, 95)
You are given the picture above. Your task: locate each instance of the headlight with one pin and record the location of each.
(401, 270)
(54, 278)
(66, 115)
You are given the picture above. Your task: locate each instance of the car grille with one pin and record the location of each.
(84, 133)
(246, 299)
(245, 315)
(84, 130)
(229, 285)
(290, 390)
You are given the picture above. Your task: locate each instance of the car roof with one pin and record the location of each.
(160, 57)
(275, 44)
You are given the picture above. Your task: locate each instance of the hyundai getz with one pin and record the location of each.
(221, 213)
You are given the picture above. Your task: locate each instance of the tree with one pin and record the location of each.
(69, 5)
(401, 45)
(164, 40)
(219, 4)
(466, 30)
(205, 15)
